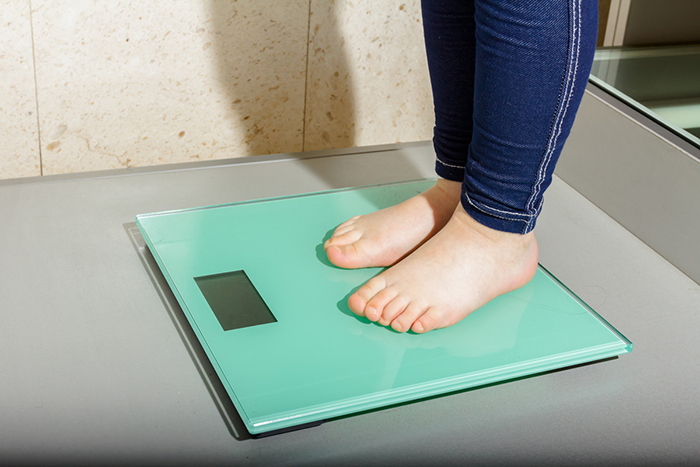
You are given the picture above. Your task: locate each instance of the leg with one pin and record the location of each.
(385, 237)
(532, 65)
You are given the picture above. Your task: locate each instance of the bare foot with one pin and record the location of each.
(384, 237)
(461, 268)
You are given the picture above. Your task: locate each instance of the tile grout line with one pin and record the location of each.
(306, 79)
(36, 89)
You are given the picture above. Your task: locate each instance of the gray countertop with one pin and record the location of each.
(98, 363)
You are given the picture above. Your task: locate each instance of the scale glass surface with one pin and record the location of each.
(271, 314)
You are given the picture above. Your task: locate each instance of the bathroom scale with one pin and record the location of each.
(271, 313)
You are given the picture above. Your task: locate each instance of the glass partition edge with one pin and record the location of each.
(646, 111)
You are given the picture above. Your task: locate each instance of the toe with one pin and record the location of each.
(344, 229)
(358, 301)
(430, 320)
(357, 304)
(348, 222)
(353, 255)
(393, 309)
(344, 256)
(346, 238)
(403, 322)
(375, 306)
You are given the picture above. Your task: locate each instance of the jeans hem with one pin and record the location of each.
(449, 171)
(496, 222)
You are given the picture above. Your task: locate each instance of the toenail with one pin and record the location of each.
(418, 327)
(396, 326)
(371, 312)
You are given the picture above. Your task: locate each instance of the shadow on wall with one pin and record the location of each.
(270, 81)
(330, 103)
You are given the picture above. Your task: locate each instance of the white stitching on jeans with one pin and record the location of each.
(494, 215)
(484, 210)
(450, 165)
(569, 94)
(564, 105)
(559, 120)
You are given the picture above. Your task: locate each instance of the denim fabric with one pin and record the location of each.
(507, 79)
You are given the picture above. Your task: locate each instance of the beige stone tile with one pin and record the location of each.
(368, 77)
(19, 151)
(143, 82)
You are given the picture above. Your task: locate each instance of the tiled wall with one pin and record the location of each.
(92, 85)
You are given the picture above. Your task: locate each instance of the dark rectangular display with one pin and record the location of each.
(234, 300)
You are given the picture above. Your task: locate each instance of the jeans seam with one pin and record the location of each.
(572, 64)
(485, 209)
(499, 217)
(450, 165)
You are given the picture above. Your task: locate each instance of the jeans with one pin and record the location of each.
(507, 79)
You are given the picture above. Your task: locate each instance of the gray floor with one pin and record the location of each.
(97, 363)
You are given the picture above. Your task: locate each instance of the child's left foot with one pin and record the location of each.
(461, 268)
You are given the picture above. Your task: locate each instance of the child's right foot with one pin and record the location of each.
(385, 237)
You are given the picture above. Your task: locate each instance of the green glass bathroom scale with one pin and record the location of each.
(271, 314)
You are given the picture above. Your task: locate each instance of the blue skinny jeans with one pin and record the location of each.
(507, 79)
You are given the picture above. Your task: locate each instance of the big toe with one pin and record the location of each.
(344, 256)
(349, 256)
(345, 237)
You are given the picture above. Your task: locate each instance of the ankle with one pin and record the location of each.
(450, 189)
(490, 234)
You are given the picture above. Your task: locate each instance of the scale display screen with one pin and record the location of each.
(252, 279)
(234, 300)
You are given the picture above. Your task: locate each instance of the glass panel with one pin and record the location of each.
(661, 82)
(319, 360)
